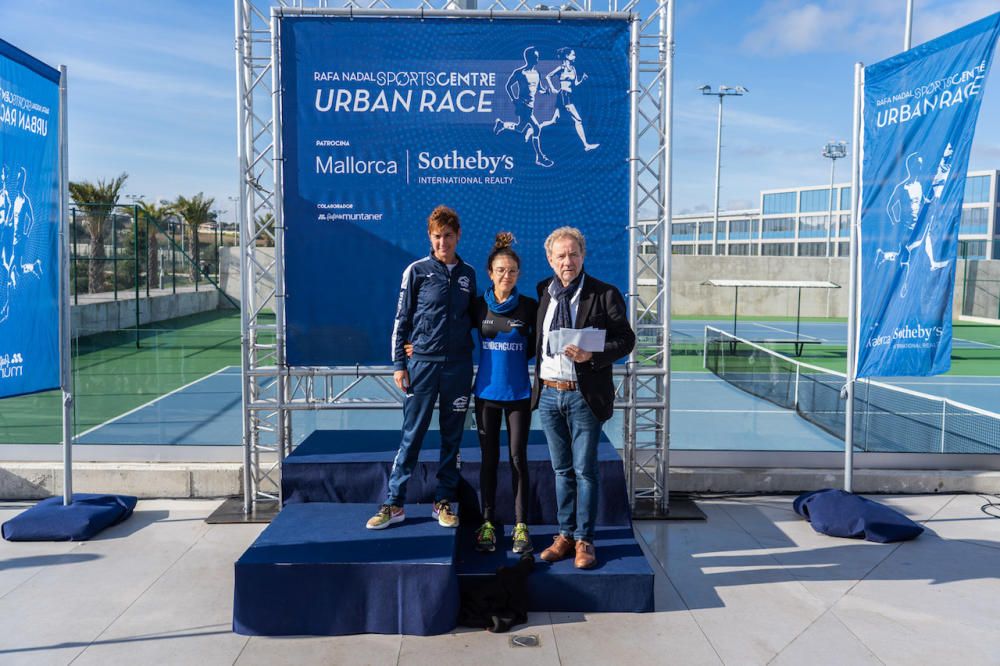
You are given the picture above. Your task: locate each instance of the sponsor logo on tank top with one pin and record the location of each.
(494, 345)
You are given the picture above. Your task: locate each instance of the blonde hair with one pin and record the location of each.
(566, 232)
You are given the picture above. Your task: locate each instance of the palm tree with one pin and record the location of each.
(196, 211)
(266, 221)
(153, 217)
(97, 201)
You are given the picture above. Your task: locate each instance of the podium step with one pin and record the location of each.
(353, 466)
(316, 570)
(622, 581)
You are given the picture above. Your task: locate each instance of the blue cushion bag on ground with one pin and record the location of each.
(843, 514)
(51, 520)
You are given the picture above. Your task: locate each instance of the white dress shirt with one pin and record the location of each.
(558, 367)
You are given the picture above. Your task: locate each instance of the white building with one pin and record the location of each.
(792, 222)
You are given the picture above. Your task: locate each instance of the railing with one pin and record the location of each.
(119, 252)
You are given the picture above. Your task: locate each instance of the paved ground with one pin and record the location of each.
(752, 585)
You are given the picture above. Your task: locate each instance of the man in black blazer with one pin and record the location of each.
(574, 391)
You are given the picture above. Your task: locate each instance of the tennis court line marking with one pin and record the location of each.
(786, 332)
(154, 400)
(977, 342)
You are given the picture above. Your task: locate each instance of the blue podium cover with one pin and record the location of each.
(354, 466)
(316, 570)
(622, 581)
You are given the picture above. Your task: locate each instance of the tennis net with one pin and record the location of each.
(887, 418)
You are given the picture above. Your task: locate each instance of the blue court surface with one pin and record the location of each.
(706, 414)
(833, 333)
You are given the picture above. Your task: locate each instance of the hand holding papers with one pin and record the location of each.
(588, 339)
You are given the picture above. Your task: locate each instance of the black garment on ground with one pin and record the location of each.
(843, 514)
(468, 504)
(489, 414)
(498, 602)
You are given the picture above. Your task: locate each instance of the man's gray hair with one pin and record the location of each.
(566, 232)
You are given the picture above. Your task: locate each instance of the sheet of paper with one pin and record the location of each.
(587, 339)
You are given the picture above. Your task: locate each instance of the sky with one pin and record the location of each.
(152, 88)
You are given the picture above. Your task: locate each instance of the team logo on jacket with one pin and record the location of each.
(460, 404)
(463, 282)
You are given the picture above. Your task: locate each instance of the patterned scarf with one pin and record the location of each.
(563, 317)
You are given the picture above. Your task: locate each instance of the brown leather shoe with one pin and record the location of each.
(561, 548)
(585, 557)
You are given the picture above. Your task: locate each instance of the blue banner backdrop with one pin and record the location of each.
(517, 124)
(920, 110)
(29, 224)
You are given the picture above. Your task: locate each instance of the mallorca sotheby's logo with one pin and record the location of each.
(11, 365)
(907, 333)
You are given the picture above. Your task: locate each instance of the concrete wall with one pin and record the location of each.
(231, 274)
(90, 318)
(979, 283)
(31, 481)
(979, 296)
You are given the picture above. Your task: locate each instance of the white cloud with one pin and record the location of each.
(862, 27)
(188, 88)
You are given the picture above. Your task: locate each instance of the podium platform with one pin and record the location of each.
(622, 581)
(353, 466)
(316, 569)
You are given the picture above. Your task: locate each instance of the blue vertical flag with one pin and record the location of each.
(919, 117)
(29, 224)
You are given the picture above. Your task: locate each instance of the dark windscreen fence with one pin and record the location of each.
(887, 418)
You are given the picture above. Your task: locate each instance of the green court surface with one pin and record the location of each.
(975, 353)
(111, 376)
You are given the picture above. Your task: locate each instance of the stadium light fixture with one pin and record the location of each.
(721, 93)
(834, 150)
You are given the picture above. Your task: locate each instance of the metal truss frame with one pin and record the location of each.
(272, 390)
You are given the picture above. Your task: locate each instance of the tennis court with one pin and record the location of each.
(182, 388)
(828, 332)
(707, 413)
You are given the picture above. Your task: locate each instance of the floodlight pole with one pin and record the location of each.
(718, 171)
(834, 151)
(723, 91)
(908, 29)
(65, 321)
(852, 311)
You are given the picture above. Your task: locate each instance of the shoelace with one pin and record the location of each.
(520, 533)
(486, 532)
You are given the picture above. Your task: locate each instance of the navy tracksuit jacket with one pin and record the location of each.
(433, 315)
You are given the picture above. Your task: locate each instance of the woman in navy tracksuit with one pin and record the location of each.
(505, 321)
(433, 315)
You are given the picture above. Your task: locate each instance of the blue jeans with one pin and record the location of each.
(572, 432)
(451, 382)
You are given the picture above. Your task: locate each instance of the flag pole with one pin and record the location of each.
(852, 311)
(65, 348)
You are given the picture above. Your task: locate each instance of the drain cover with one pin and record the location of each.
(527, 640)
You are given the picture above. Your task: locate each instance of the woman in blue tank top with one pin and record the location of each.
(505, 321)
